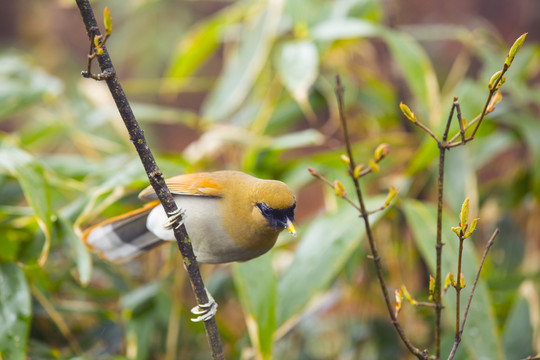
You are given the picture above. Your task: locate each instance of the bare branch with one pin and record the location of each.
(155, 176)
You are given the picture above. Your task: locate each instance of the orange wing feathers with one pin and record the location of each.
(198, 184)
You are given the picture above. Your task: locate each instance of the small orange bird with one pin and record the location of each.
(229, 216)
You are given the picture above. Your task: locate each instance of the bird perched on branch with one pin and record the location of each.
(229, 216)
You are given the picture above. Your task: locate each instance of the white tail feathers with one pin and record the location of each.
(123, 237)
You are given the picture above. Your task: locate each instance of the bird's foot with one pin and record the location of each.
(173, 216)
(205, 311)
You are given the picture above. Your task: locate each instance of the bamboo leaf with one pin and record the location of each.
(15, 312)
(28, 171)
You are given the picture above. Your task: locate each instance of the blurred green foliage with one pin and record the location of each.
(249, 85)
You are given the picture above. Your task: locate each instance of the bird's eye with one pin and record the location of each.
(277, 217)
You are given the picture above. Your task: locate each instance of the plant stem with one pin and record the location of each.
(458, 284)
(457, 340)
(437, 296)
(155, 176)
(364, 214)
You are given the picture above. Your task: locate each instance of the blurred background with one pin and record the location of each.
(249, 85)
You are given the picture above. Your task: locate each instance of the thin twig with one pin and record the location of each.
(374, 253)
(427, 130)
(425, 304)
(460, 120)
(479, 118)
(329, 183)
(154, 175)
(459, 284)
(457, 340)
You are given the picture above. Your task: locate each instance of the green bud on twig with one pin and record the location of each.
(392, 192)
(494, 78)
(451, 279)
(471, 228)
(107, 21)
(339, 189)
(407, 112)
(381, 151)
(97, 44)
(431, 289)
(408, 296)
(495, 99)
(464, 216)
(503, 80)
(357, 170)
(374, 166)
(514, 50)
(399, 301)
(448, 280)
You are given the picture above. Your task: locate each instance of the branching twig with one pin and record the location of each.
(364, 214)
(154, 175)
(457, 340)
(329, 183)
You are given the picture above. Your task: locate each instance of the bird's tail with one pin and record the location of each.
(122, 237)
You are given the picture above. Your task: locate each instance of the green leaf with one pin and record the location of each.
(15, 312)
(460, 179)
(202, 40)
(164, 115)
(417, 71)
(297, 63)
(80, 252)
(339, 28)
(243, 68)
(529, 128)
(518, 330)
(297, 139)
(22, 84)
(28, 171)
(257, 288)
(480, 338)
(424, 156)
(322, 252)
(139, 307)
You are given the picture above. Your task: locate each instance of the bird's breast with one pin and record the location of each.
(214, 233)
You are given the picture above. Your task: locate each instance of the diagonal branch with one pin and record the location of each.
(136, 135)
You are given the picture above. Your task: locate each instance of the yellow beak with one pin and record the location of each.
(290, 227)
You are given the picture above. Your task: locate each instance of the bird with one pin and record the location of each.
(229, 216)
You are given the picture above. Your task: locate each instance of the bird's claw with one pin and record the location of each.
(173, 216)
(205, 311)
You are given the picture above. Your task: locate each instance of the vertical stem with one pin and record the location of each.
(439, 244)
(438, 281)
(459, 285)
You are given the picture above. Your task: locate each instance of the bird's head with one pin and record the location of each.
(276, 203)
